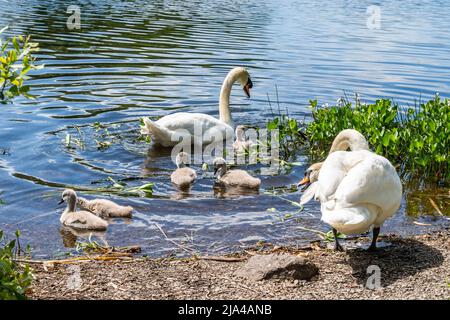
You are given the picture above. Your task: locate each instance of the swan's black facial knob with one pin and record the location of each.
(305, 182)
(249, 83)
(248, 86)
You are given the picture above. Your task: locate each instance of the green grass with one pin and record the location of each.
(416, 140)
(13, 281)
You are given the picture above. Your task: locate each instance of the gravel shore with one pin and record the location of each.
(413, 268)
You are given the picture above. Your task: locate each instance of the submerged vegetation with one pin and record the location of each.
(13, 281)
(417, 140)
(16, 59)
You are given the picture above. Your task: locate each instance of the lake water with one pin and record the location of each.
(151, 58)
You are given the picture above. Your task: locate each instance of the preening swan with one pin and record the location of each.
(167, 130)
(183, 176)
(79, 219)
(234, 178)
(356, 189)
(105, 208)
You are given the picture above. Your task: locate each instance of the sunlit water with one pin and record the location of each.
(137, 58)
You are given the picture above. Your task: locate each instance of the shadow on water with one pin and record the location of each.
(404, 258)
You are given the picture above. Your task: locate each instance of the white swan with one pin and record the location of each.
(356, 189)
(199, 127)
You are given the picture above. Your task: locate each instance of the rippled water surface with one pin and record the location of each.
(136, 58)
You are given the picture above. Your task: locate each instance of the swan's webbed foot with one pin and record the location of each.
(373, 245)
(337, 245)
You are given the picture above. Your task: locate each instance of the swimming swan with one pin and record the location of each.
(183, 176)
(234, 178)
(356, 189)
(79, 219)
(184, 123)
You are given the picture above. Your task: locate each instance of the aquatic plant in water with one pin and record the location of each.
(16, 60)
(290, 134)
(417, 140)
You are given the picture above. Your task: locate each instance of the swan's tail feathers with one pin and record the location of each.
(158, 134)
(353, 220)
(309, 193)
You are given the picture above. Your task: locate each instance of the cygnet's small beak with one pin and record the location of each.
(62, 200)
(215, 171)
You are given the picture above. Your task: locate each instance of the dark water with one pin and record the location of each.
(136, 58)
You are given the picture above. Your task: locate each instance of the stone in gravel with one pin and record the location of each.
(277, 266)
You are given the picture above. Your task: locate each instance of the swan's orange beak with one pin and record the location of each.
(247, 87)
(304, 181)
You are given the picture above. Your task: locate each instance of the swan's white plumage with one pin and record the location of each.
(309, 193)
(357, 189)
(168, 130)
(198, 127)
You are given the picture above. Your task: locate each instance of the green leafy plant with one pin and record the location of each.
(13, 282)
(290, 132)
(417, 139)
(329, 236)
(290, 137)
(145, 189)
(16, 60)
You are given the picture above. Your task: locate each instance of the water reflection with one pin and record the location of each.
(139, 58)
(70, 237)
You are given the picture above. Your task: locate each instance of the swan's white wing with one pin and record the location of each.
(309, 193)
(191, 122)
(182, 125)
(373, 181)
(352, 220)
(333, 170)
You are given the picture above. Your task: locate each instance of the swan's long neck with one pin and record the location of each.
(71, 204)
(224, 100)
(349, 139)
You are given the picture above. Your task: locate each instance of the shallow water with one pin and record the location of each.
(136, 58)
